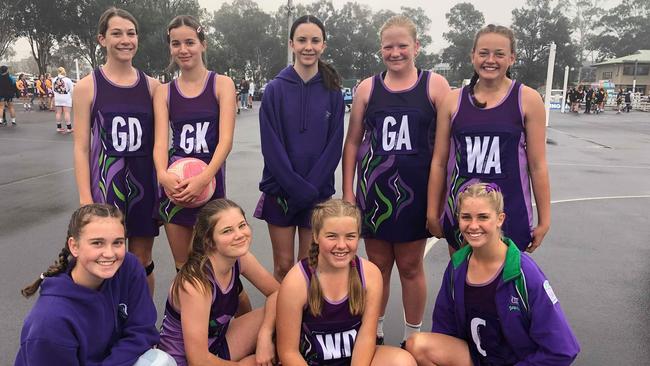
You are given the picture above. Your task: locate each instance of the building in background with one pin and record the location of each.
(623, 71)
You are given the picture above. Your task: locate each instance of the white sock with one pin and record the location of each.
(380, 326)
(410, 329)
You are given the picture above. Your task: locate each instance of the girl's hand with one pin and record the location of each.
(538, 235)
(433, 225)
(189, 189)
(169, 182)
(349, 197)
(265, 350)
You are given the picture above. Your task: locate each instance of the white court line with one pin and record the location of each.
(600, 198)
(432, 241)
(601, 166)
(34, 178)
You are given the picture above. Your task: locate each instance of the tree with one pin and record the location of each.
(83, 36)
(585, 17)
(537, 25)
(7, 33)
(243, 37)
(624, 30)
(40, 21)
(464, 21)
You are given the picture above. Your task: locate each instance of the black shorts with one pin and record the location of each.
(6, 99)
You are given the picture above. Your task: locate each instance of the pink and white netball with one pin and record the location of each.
(189, 167)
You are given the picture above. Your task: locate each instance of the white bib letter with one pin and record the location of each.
(119, 138)
(388, 138)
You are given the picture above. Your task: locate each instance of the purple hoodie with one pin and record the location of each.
(301, 129)
(531, 318)
(74, 325)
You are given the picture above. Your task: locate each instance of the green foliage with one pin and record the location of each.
(623, 30)
(535, 26)
(464, 21)
(7, 33)
(43, 23)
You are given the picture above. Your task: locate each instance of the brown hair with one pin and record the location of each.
(331, 77)
(491, 28)
(80, 218)
(194, 271)
(356, 293)
(102, 26)
(188, 21)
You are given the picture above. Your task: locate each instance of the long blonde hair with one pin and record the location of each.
(356, 293)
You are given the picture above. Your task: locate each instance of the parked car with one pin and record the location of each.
(347, 97)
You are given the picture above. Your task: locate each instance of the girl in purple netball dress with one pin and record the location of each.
(492, 130)
(200, 327)
(200, 107)
(329, 302)
(113, 138)
(390, 143)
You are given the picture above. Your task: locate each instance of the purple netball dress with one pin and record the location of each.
(394, 159)
(223, 309)
(121, 152)
(489, 145)
(195, 133)
(329, 339)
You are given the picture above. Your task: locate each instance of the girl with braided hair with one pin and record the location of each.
(94, 305)
(495, 131)
(200, 326)
(329, 302)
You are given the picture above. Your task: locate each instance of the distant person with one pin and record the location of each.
(41, 90)
(495, 305)
(620, 97)
(94, 307)
(7, 94)
(628, 100)
(62, 87)
(50, 92)
(301, 129)
(21, 85)
(589, 99)
(492, 131)
(243, 95)
(251, 91)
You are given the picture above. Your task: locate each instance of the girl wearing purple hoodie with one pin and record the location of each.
(94, 306)
(495, 305)
(301, 128)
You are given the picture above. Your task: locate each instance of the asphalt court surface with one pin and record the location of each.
(596, 254)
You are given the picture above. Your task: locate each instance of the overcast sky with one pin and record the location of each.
(498, 12)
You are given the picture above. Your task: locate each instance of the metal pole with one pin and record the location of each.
(566, 80)
(549, 80)
(76, 65)
(289, 21)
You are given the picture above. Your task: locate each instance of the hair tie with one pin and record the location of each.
(312, 270)
(353, 263)
(198, 30)
(42, 276)
(492, 187)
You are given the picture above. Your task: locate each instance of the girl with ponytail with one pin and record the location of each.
(495, 131)
(200, 326)
(337, 295)
(94, 306)
(301, 129)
